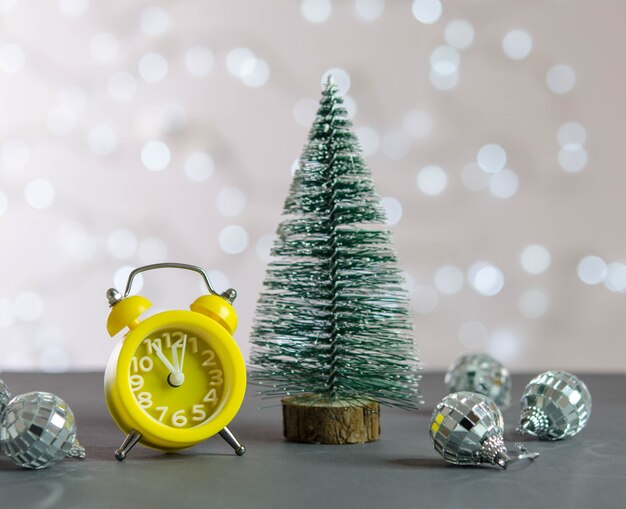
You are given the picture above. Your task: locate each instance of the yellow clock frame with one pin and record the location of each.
(210, 315)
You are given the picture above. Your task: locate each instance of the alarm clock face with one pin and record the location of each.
(177, 377)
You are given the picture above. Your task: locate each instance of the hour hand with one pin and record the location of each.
(175, 378)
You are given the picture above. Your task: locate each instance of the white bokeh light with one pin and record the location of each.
(152, 250)
(486, 279)
(443, 82)
(418, 123)
(592, 270)
(491, 158)
(432, 180)
(78, 245)
(199, 166)
(122, 243)
(231, 201)
(233, 239)
(561, 79)
(504, 184)
(369, 140)
(304, 111)
(396, 145)
(104, 47)
(369, 9)
(571, 135)
(73, 8)
(153, 67)
(341, 79)
(427, 11)
(504, 345)
(155, 155)
(102, 140)
(154, 20)
(39, 194)
(459, 33)
(259, 74)
(122, 86)
(12, 58)
(445, 60)
(264, 247)
(240, 61)
(533, 304)
(199, 60)
(424, 299)
(449, 279)
(517, 44)
(120, 279)
(473, 334)
(616, 277)
(54, 359)
(474, 178)
(28, 307)
(535, 259)
(573, 158)
(393, 209)
(316, 11)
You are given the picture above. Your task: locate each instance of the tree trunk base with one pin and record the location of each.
(314, 420)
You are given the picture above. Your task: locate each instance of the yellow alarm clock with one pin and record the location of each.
(177, 377)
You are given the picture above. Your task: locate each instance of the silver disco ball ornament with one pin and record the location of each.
(467, 429)
(555, 405)
(37, 430)
(482, 374)
(5, 395)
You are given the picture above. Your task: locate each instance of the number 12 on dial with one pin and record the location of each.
(178, 377)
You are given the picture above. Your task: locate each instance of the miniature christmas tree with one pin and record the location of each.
(332, 327)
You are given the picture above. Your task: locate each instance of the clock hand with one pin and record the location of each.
(182, 354)
(163, 359)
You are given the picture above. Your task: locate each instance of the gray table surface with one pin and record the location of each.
(401, 470)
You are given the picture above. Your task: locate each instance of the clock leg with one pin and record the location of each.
(129, 442)
(227, 435)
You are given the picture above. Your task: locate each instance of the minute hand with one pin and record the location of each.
(163, 359)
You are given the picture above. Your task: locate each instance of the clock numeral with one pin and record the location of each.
(209, 360)
(178, 419)
(148, 343)
(168, 339)
(193, 344)
(163, 410)
(198, 413)
(177, 336)
(136, 382)
(144, 364)
(157, 342)
(211, 397)
(217, 377)
(145, 399)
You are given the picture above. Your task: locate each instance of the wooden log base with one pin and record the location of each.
(315, 420)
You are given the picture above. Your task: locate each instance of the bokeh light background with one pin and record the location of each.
(135, 132)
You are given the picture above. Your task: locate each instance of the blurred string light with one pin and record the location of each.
(155, 155)
(616, 277)
(449, 279)
(199, 166)
(473, 335)
(504, 184)
(231, 201)
(154, 21)
(459, 34)
(592, 270)
(504, 344)
(427, 11)
(432, 180)
(561, 79)
(233, 239)
(39, 194)
(491, 158)
(369, 140)
(445, 60)
(152, 67)
(486, 279)
(572, 156)
(252, 71)
(77, 243)
(517, 44)
(535, 259)
(369, 9)
(424, 299)
(533, 304)
(444, 82)
(393, 209)
(316, 11)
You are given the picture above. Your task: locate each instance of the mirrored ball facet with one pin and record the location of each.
(555, 405)
(5, 396)
(482, 374)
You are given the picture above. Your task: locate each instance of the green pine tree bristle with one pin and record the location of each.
(333, 319)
